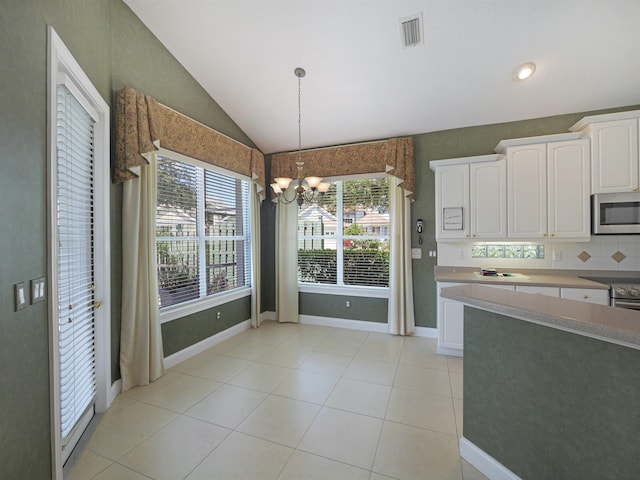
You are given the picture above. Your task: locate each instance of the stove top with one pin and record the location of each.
(620, 287)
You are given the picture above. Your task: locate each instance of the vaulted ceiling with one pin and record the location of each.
(363, 84)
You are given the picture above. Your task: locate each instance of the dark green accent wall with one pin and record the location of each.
(184, 332)
(548, 404)
(114, 49)
(334, 306)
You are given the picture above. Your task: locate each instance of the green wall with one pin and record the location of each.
(114, 50)
(549, 404)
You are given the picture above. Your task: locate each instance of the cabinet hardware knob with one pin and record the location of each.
(635, 189)
(585, 296)
(553, 234)
(467, 235)
(544, 234)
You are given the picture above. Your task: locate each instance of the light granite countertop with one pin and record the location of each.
(610, 324)
(531, 277)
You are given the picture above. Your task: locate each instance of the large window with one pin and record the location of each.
(344, 239)
(202, 229)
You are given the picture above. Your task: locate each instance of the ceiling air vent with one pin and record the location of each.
(411, 29)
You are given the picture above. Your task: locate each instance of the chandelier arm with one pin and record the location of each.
(284, 198)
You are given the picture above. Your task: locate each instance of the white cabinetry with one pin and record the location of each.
(549, 291)
(601, 297)
(548, 189)
(614, 151)
(470, 197)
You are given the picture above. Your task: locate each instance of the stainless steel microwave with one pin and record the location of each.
(615, 213)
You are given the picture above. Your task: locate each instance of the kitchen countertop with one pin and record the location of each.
(533, 277)
(610, 324)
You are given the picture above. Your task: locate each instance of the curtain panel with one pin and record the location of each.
(143, 124)
(394, 156)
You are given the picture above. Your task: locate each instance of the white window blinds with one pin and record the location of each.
(344, 239)
(202, 226)
(75, 181)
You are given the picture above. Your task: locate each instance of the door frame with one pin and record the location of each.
(63, 68)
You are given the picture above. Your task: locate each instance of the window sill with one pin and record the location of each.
(344, 290)
(178, 311)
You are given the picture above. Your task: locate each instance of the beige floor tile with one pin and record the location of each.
(139, 393)
(304, 466)
(261, 376)
(456, 384)
(281, 420)
(360, 397)
(326, 363)
(116, 435)
(119, 405)
(187, 366)
(420, 344)
(175, 450)
(415, 453)
(343, 436)
(469, 472)
(372, 371)
(424, 360)
(459, 411)
(456, 364)
(340, 346)
(119, 472)
(88, 466)
(386, 338)
(243, 457)
(219, 368)
(307, 387)
(309, 337)
(250, 350)
(421, 409)
(225, 346)
(384, 352)
(227, 406)
(285, 356)
(350, 334)
(423, 379)
(182, 394)
(378, 476)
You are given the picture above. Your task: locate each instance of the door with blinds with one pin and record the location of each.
(75, 261)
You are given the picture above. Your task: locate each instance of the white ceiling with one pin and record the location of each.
(361, 83)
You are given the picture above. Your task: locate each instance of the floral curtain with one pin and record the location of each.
(394, 156)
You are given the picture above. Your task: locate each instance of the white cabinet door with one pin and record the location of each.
(527, 191)
(614, 147)
(450, 323)
(601, 297)
(452, 199)
(568, 168)
(488, 203)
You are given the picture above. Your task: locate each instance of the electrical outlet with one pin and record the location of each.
(347, 304)
(218, 315)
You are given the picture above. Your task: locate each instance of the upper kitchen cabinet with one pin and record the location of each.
(470, 197)
(548, 187)
(614, 151)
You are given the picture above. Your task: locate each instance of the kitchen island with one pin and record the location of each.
(551, 388)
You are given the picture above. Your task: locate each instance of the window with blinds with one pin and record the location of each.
(75, 240)
(202, 229)
(344, 239)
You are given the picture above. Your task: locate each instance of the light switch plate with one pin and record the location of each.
(37, 290)
(20, 300)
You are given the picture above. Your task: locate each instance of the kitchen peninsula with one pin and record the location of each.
(550, 387)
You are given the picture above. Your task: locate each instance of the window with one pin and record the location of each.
(202, 229)
(344, 239)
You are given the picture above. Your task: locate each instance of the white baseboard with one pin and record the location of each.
(268, 315)
(344, 323)
(428, 332)
(205, 344)
(116, 389)
(450, 351)
(484, 462)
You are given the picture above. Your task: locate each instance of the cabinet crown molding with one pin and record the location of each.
(607, 117)
(433, 164)
(502, 146)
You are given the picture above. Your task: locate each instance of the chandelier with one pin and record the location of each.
(309, 189)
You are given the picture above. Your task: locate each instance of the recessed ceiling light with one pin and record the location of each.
(525, 71)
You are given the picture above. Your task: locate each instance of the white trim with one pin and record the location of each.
(63, 68)
(344, 290)
(456, 352)
(267, 315)
(192, 350)
(445, 162)
(428, 332)
(344, 323)
(200, 304)
(484, 462)
(116, 389)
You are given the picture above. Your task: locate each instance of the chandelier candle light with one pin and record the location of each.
(309, 189)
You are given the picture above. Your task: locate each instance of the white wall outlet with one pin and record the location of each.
(461, 254)
(416, 253)
(557, 255)
(218, 315)
(347, 304)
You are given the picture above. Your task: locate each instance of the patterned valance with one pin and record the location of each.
(143, 125)
(394, 156)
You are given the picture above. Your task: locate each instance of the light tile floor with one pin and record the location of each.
(290, 402)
